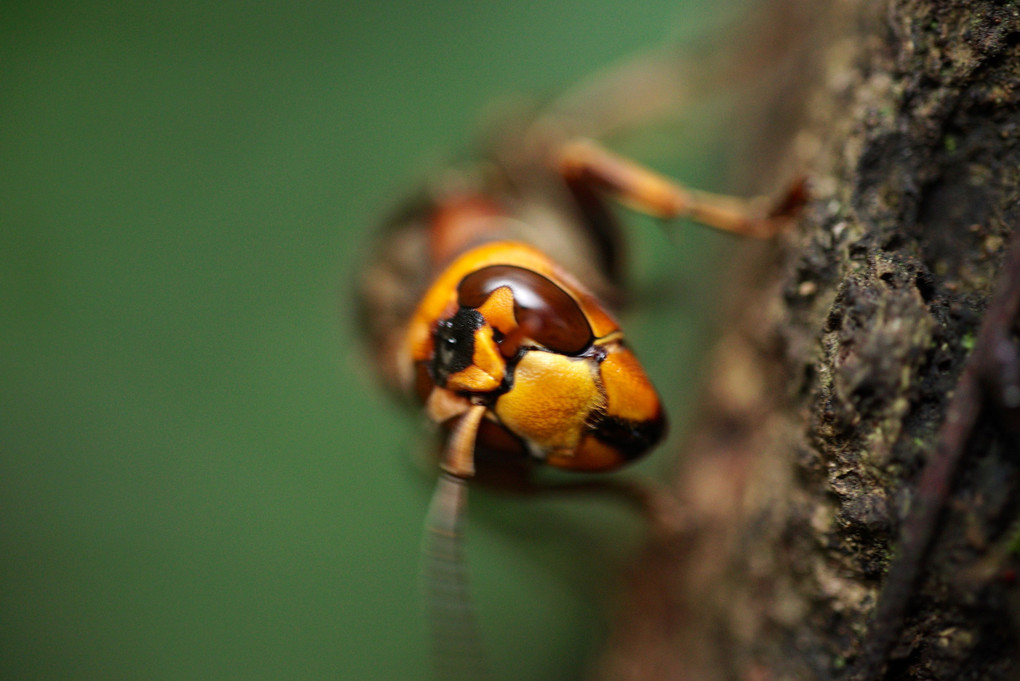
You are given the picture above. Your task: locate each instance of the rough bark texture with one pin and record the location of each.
(842, 526)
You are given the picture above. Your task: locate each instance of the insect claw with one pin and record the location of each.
(791, 203)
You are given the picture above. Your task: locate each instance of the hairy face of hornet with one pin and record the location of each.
(506, 328)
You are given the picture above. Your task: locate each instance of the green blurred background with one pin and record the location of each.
(199, 478)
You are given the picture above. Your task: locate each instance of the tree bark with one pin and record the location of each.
(853, 484)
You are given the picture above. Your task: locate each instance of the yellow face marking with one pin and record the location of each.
(487, 356)
(498, 310)
(551, 401)
(473, 379)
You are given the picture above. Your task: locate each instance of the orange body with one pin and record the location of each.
(505, 327)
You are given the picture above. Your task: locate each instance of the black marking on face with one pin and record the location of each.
(454, 341)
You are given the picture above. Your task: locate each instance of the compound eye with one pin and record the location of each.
(551, 317)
